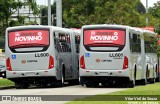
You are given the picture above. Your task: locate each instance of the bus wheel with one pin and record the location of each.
(17, 85)
(26, 86)
(104, 84)
(20, 85)
(147, 74)
(157, 75)
(157, 79)
(61, 82)
(92, 84)
(81, 81)
(44, 84)
(144, 81)
(88, 85)
(131, 84)
(74, 82)
(152, 80)
(96, 85)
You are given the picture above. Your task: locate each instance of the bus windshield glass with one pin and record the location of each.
(28, 39)
(104, 39)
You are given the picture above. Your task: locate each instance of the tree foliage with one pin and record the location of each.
(9, 7)
(155, 10)
(44, 13)
(154, 16)
(154, 13)
(140, 8)
(78, 13)
(81, 12)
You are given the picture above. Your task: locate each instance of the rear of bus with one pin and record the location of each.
(104, 54)
(29, 56)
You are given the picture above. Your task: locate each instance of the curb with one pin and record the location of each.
(7, 87)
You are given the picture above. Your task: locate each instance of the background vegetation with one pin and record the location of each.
(150, 90)
(6, 83)
(83, 12)
(7, 9)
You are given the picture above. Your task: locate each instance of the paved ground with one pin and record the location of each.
(68, 91)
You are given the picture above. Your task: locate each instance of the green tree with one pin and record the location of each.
(78, 13)
(140, 8)
(155, 10)
(154, 16)
(44, 13)
(81, 12)
(9, 7)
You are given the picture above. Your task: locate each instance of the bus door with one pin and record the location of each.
(66, 54)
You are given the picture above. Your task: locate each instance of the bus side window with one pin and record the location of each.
(65, 42)
(77, 42)
(56, 42)
(136, 43)
(68, 43)
(147, 47)
(62, 42)
(134, 38)
(131, 41)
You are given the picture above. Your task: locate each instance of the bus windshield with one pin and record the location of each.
(104, 39)
(28, 38)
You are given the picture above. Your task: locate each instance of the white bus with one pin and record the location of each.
(41, 55)
(151, 59)
(115, 54)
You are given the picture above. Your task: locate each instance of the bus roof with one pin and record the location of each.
(105, 25)
(60, 29)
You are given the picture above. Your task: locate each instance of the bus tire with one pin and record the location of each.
(81, 81)
(131, 84)
(44, 84)
(17, 85)
(147, 74)
(61, 82)
(95, 84)
(104, 84)
(152, 80)
(21, 85)
(144, 81)
(157, 75)
(74, 82)
(89, 85)
(157, 79)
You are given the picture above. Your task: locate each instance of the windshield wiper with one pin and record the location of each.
(28, 45)
(104, 44)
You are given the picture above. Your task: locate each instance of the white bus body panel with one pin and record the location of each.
(30, 64)
(107, 64)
